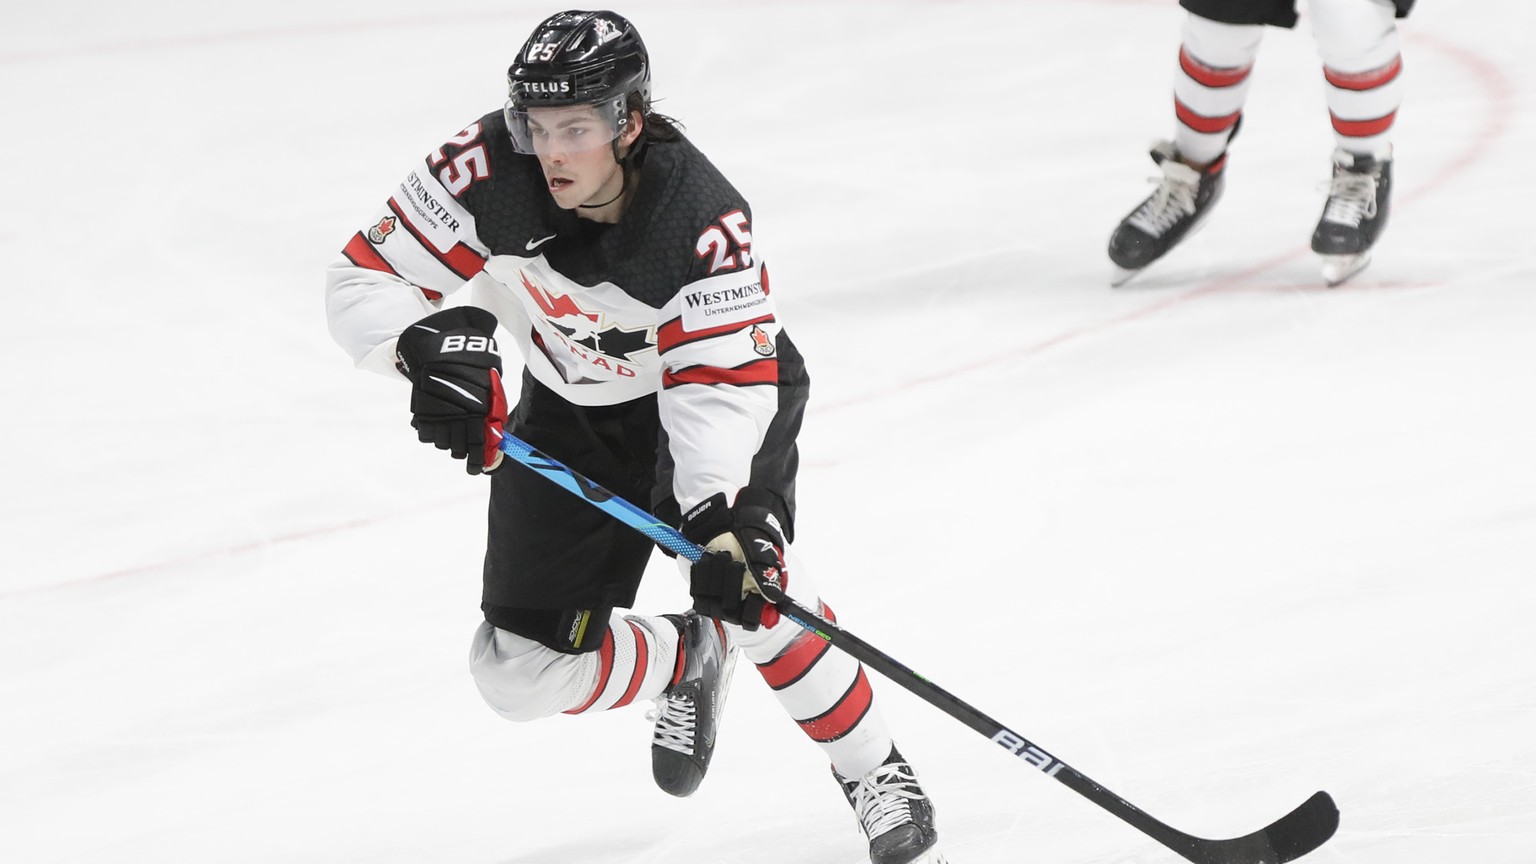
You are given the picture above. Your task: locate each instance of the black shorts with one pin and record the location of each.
(1278, 13)
(552, 560)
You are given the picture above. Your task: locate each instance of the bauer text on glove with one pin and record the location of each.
(457, 402)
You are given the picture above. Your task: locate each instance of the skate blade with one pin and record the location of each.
(1338, 268)
(1122, 276)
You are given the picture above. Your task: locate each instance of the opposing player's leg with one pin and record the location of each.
(1362, 65)
(1179, 204)
(1215, 62)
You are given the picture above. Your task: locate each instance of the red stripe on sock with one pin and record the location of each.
(1367, 80)
(1212, 76)
(642, 662)
(798, 659)
(1362, 128)
(1201, 123)
(677, 664)
(604, 671)
(845, 715)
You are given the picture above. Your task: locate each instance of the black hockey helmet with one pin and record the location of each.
(578, 58)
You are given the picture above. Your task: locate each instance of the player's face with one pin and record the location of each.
(573, 146)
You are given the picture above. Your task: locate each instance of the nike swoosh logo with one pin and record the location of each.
(534, 244)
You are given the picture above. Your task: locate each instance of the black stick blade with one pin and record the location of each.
(1304, 829)
(1288, 838)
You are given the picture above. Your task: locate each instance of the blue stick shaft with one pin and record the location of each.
(661, 533)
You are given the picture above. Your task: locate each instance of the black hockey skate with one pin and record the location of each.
(1183, 198)
(894, 813)
(688, 714)
(1355, 214)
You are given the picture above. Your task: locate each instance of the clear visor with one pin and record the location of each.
(538, 130)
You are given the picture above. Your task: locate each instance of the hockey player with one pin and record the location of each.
(1358, 43)
(621, 264)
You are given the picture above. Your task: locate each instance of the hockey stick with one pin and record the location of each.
(1287, 838)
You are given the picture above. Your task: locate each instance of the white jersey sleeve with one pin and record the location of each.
(720, 381)
(420, 247)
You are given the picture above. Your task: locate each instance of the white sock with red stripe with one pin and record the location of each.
(1215, 62)
(638, 660)
(828, 694)
(1360, 49)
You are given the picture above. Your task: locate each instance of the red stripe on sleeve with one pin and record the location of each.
(1362, 128)
(1203, 124)
(1367, 80)
(671, 334)
(845, 715)
(604, 672)
(462, 260)
(1212, 76)
(360, 252)
(757, 372)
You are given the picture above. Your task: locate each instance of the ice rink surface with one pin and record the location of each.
(1219, 538)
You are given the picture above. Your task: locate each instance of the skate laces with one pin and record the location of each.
(880, 798)
(1351, 197)
(1172, 200)
(675, 719)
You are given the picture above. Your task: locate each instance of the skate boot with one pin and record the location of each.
(1358, 200)
(1183, 198)
(895, 814)
(688, 714)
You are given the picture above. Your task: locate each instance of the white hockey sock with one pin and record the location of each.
(828, 694)
(1362, 63)
(637, 661)
(1215, 61)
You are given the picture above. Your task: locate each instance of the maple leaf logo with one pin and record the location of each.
(381, 230)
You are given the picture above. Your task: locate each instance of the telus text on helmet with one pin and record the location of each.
(546, 86)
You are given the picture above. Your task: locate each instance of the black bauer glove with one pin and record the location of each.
(457, 403)
(744, 548)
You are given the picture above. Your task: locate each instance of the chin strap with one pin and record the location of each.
(624, 163)
(622, 187)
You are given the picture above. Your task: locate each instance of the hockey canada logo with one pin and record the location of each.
(383, 229)
(587, 334)
(760, 341)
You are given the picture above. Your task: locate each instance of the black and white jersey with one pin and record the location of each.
(672, 300)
